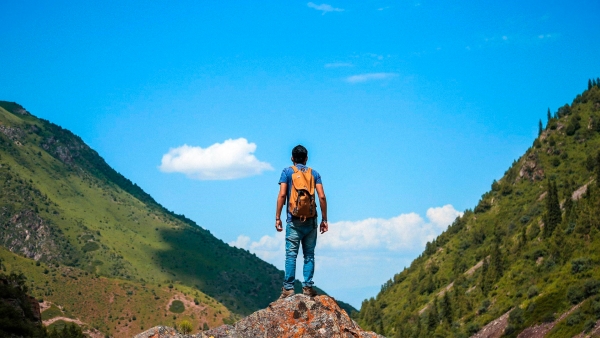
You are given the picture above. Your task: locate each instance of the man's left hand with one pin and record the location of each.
(324, 227)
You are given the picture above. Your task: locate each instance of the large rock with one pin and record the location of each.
(296, 316)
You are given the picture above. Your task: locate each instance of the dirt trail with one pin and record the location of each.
(55, 319)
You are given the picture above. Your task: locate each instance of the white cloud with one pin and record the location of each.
(229, 160)
(242, 242)
(370, 77)
(325, 8)
(338, 64)
(443, 216)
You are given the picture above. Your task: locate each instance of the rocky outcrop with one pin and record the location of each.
(531, 170)
(15, 134)
(297, 316)
(27, 234)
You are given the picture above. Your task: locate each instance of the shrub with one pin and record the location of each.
(472, 328)
(90, 246)
(580, 264)
(177, 307)
(575, 294)
(516, 316)
(589, 325)
(596, 308)
(482, 206)
(574, 318)
(484, 306)
(591, 287)
(548, 317)
(509, 330)
(532, 291)
(185, 327)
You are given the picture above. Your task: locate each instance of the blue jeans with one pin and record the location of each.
(297, 232)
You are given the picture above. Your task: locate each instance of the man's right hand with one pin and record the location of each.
(278, 225)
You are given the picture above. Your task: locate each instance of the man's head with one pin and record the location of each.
(299, 154)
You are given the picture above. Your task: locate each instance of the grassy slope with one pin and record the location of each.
(526, 269)
(110, 305)
(134, 240)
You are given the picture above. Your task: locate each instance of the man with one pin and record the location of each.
(300, 229)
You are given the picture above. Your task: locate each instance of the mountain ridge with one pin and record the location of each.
(526, 250)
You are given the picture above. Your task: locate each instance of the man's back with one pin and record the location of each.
(286, 177)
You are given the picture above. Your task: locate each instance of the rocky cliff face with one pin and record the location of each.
(296, 316)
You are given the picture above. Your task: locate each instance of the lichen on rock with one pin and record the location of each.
(296, 316)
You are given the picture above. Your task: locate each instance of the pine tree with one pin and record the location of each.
(589, 84)
(553, 215)
(523, 238)
(549, 115)
(541, 128)
(447, 308)
(433, 319)
(598, 82)
(419, 327)
(485, 277)
(497, 262)
(597, 169)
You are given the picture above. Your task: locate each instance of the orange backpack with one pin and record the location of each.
(302, 194)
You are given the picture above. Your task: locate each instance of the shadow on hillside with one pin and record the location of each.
(236, 278)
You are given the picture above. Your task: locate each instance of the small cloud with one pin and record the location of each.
(504, 37)
(229, 160)
(383, 8)
(338, 64)
(242, 242)
(370, 77)
(443, 216)
(325, 8)
(544, 36)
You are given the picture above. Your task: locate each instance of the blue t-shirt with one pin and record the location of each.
(286, 177)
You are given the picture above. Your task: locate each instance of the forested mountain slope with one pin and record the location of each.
(529, 250)
(60, 203)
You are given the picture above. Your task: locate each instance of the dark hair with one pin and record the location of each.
(299, 154)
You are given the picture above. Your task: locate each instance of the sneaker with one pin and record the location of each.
(286, 293)
(309, 291)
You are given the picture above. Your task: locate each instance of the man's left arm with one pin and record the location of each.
(323, 204)
(280, 202)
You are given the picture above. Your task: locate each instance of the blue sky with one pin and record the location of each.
(409, 109)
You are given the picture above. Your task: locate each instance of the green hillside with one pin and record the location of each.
(529, 249)
(61, 203)
(117, 307)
